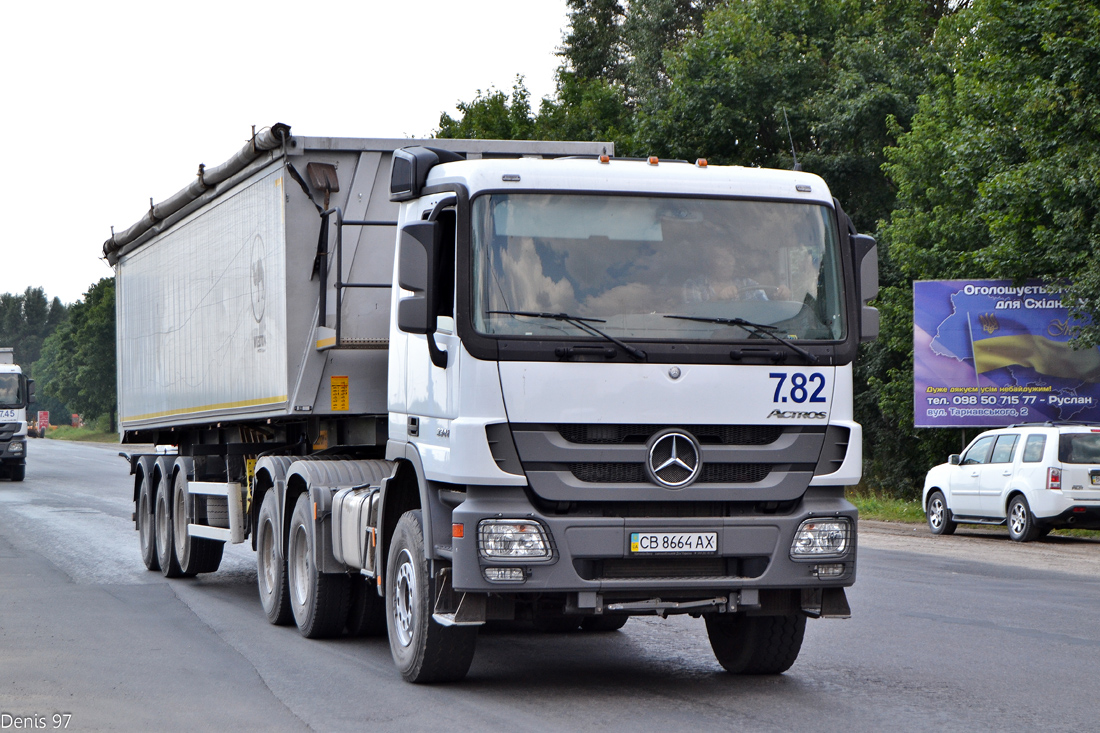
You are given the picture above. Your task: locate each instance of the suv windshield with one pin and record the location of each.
(10, 393)
(630, 261)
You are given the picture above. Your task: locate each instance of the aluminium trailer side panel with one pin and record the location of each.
(202, 313)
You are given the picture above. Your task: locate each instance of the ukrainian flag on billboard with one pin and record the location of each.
(999, 342)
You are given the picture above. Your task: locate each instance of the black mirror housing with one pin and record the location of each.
(30, 392)
(419, 255)
(954, 459)
(410, 167)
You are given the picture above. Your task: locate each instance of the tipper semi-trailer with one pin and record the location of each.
(16, 394)
(440, 383)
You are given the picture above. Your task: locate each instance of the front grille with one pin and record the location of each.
(639, 434)
(634, 473)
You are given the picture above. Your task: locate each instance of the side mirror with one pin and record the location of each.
(410, 167)
(954, 459)
(421, 247)
(865, 254)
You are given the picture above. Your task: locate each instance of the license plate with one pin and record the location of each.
(1095, 478)
(679, 543)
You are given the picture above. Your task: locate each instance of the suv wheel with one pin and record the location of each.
(1021, 522)
(939, 516)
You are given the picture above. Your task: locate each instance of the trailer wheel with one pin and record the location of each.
(195, 554)
(270, 568)
(423, 650)
(367, 613)
(756, 644)
(146, 525)
(319, 600)
(165, 547)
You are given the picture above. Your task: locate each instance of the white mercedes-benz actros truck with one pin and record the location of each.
(445, 382)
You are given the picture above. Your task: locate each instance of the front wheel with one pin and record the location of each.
(18, 473)
(318, 600)
(939, 515)
(1021, 522)
(423, 650)
(756, 644)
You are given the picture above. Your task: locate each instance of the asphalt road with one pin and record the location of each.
(961, 633)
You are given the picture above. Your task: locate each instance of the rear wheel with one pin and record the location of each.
(146, 525)
(270, 567)
(1021, 522)
(318, 600)
(423, 650)
(195, 554)
(756, 644)
(939, 516)
(165, 547)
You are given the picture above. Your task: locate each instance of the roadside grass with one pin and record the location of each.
(84, 435)
(889, 509)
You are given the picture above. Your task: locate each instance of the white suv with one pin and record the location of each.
(1035, 477)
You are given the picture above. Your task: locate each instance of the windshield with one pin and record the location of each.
(632, 261)
(10, 393)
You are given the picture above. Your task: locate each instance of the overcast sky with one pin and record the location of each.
(108, 104)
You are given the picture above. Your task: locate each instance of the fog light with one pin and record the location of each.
(821, 538)
(497, 538)
(505, 575)
(833, 570)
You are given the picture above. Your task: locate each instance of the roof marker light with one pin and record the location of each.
(802, 188)
(701, 163)
(653, 160)
(605, 158)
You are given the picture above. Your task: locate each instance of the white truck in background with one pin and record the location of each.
(16, 393)
(439, 383)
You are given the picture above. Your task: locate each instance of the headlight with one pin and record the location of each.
(508, 538)
(15, 448)
(822, 538)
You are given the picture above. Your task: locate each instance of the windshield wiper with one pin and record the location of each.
(755, 329)
(581, 323)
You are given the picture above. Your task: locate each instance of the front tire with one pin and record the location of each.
(939, 515)
(146, 524)
(270, 567)
(423, 650)
(18, 473)
(756, 644)
(318, 600)
(1021, 522)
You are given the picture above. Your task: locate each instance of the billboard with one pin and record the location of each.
(990, 353)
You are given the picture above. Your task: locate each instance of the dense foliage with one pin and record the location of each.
(26, 320)
(77, 365)
(964, 134)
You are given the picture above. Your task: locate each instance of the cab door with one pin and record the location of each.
(965, 485)
(996, 475)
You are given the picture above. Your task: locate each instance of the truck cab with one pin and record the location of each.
(626, 387)
(16, 393)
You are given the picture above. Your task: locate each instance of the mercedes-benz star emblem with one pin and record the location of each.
(674, 459)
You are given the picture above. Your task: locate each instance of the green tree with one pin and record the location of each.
(77, 366)
(997, 176)
(25, 322)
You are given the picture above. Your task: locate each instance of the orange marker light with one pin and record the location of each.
(457, 531)
(605, 158)
(654, 160)
(701, 162)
